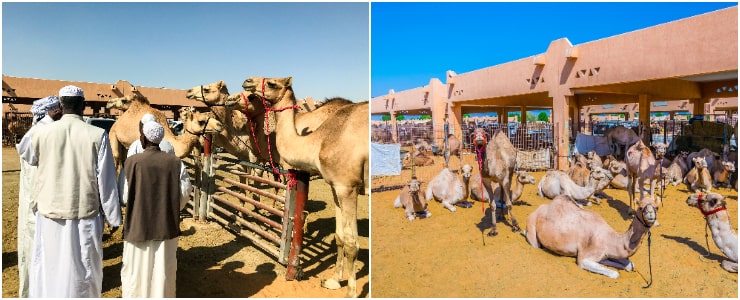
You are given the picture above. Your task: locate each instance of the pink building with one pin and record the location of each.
(692, 59)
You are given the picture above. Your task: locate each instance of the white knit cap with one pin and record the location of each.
(153, 132)
(44, 105)
(71, 90)
(148, 118)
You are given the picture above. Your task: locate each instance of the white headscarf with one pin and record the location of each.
(41, 107)
(71, 90)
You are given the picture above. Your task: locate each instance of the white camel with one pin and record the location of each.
(567, 229)
(713, 207)
(450, 189)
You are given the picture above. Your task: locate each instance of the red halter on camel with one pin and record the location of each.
(479, 158)
(711, 212)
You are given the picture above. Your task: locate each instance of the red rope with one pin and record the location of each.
(251, 124)
(267, 123)
(711, 212)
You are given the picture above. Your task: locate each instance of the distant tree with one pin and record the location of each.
(530, 117)
(466, 116)
(400, 117)
(518, 116)
(425, 117)
(542, 116)
(386, 117)
(659, 114)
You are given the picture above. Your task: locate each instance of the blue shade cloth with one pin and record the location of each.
(385, 159)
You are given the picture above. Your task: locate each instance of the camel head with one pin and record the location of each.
(660, 149)
(599, 178)
(700, 162)
(479, 137)
(198, 123)
(271, 89)
(213, 94)
(615, 166)
(123, 103)
(728, 166)
(648, 211)
(591, 154)
(524, 178)
(707, 202)
(467, 171)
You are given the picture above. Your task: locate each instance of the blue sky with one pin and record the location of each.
(413, 42)
(324, 46)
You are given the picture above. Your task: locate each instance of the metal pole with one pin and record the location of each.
(301, 195)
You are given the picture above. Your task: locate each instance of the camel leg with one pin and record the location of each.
(346, 238)
(531, 231)
(449, 206)
(592, 266)
(506, 189)
(730, 266)
(492, 207)
(631, 190)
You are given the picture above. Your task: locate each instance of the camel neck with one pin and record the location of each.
(285, 132)
(633, 236)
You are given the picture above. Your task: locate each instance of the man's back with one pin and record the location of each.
(68, 151)
(153, 204)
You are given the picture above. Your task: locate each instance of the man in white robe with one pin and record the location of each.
(74, 190)
(45, 111)
(159, 189)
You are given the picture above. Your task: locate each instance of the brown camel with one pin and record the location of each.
(454, 147)
(420, 160)
(567, 229)
(723, 172)
(579, 173)
(641, 166)
(338, 150)
(498, 164)
(620, 135)
(17, 126)
(412, 201)
(713, 207)
(126, 128)
(699, 178)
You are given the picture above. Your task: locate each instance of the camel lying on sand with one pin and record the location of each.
(713, 207)
(450, 189)
(567, 229)
(698, 177)
(556, 183)
(412, 201)
(521, 179)
(722, 174)
(419, 160)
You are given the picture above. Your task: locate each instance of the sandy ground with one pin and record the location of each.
(448, 255)
(213, 262)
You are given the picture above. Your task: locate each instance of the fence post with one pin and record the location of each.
(298, 191)
(206, 175)
(198, 174)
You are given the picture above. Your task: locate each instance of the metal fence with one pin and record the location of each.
(15, 125)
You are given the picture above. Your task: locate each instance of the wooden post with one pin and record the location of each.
(644, 109)
(299, 197)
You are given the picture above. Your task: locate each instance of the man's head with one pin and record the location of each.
(152, 134)
(72, 99)
(48, 105)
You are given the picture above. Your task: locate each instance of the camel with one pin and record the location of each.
(620, 135)
(698, 177)
(420, 160)
(579, 173)
(708, 155)
(411, 200)
(713, 207)
(17, 126)
(620, 179)
(126, 128)
(556, 183)
(674, 174)
(338, 150)
(454, 147)
(498, 164)
(641, 166)
(594, 159)
(566, 229)
(722, 173)
(449, 189)
(492, 188)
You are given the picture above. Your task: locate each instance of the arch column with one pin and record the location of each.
(394, 129)
(560, 116)
(644, 110)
